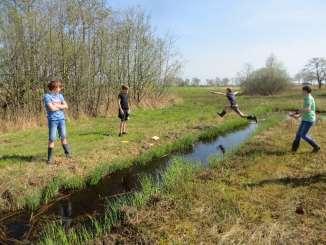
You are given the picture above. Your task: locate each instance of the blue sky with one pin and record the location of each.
(217, 37)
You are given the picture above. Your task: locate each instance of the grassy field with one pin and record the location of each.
(262, 194)
(25, 179)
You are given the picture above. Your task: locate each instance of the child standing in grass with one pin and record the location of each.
(230, 95)
(55, 105)
(123, 102)
(308, 114)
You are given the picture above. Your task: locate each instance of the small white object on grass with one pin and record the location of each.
(156, 138)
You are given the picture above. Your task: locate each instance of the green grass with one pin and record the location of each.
(24, 174)
(253, 196)
(31, 182)
(174, 184)
(76, 182)
(120, 210)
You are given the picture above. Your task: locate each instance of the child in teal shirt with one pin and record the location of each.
(308, 114)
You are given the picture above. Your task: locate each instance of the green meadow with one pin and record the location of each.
(28, 180)
(253, 195)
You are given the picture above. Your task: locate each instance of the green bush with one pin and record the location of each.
(269, 80)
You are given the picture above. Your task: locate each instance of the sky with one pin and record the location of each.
(217, 37)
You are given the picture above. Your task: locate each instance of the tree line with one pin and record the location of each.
(267, 80)
(91, 47)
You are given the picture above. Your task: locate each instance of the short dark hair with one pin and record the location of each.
(124, 87)
(307, 89)
(54, 84)
(229, 90)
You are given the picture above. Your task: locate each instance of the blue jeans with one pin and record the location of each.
(303, 133)
(57, 126)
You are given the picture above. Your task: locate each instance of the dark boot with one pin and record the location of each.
(50, 156)
(316, 149)
(222, 114)
(255, 119)
(67, 150)
(314, 145)
(295, 145)
(252, 118)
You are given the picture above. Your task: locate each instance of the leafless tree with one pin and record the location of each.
(315, 70)
(88, 45)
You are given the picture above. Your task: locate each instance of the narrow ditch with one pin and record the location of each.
(75, 208)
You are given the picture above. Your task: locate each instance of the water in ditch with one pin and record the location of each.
(77, 207)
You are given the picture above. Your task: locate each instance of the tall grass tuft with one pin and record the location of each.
(52, 189)
(149, 188)
(212, 133)
(178, 175)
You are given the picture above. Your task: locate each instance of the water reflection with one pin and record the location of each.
(65, 212)
(91, 202)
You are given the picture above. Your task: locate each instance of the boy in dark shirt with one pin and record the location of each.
(55, 105)
(123, 102)
(233, 105)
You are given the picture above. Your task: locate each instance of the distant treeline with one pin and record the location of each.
(195, 82)
(267, 80)
(89, 46)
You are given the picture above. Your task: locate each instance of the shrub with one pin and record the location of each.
(268, 80)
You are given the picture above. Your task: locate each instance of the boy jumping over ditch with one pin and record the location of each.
(55, 105)
(123, 102)
(233, 105)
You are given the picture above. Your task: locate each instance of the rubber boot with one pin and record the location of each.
(66, 148)
(316, 149)
(295, 145)
(50, 156)
(252, 118)
(222, 114)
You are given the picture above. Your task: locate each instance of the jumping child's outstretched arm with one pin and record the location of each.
(215, 92)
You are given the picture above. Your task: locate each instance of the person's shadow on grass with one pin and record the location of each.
(291, 181)
(20, 158)
(262, 151)
(95, 133)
